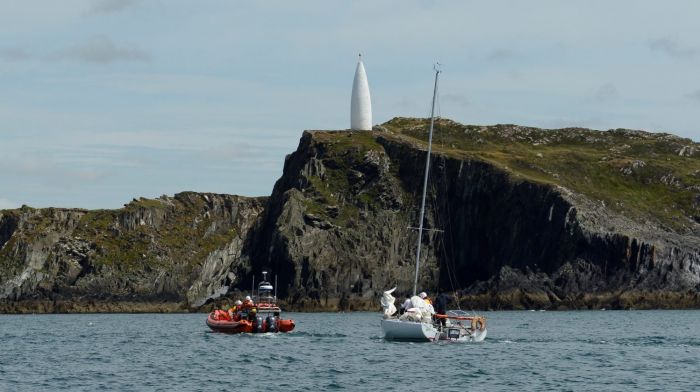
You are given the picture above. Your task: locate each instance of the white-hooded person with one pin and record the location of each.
(418, 310)
(428, 303)
(407, 304)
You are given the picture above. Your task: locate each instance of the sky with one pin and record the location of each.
(102, 101)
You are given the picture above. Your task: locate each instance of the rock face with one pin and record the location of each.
(337, 223)
(153, 255)
(518, 218)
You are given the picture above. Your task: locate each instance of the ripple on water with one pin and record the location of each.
(320, 335)
(658, 341)
(347, 351)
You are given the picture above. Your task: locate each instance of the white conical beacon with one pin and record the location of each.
(360, 104)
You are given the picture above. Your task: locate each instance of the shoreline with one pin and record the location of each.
(515, 300)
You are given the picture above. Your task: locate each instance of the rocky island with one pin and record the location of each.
(522, 218)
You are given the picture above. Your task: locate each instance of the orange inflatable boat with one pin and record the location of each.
(259, 314)
(255, 322)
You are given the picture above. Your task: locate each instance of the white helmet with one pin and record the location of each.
(238, 302)
(423, 295)
(247, 297)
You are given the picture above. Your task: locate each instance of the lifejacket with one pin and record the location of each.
(221, 315)
(252, 314)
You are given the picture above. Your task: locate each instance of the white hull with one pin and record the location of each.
(465, 336)
(395, 329)
(479, 336)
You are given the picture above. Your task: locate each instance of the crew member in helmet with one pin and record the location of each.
(235, 309)
(247, 303)
(253, 314)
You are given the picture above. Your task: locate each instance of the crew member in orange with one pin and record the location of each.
(233, 311)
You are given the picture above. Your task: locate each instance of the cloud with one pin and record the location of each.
(674, 49)
(406, 103)
(458, 99)
(695, 95)
(605, 93)
(14, 54)
(100, 50)
(110, 6)
(500, 55)
(230, 151)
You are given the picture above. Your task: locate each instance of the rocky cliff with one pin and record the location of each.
(518, 217)
(167, 254)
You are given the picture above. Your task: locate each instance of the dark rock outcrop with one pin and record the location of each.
(506, 242)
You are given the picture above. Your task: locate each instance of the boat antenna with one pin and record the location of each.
(252, 289)
(436, 67)
(275, 288)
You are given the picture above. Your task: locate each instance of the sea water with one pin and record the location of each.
(524, 351)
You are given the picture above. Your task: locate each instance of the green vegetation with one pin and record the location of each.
(341, 154)
(348, 143)
(642, 175)
(179, 232)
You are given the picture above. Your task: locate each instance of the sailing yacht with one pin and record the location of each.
(419, 323)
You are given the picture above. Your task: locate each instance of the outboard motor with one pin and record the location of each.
(271, 323)
(258, 325)
(453, 334)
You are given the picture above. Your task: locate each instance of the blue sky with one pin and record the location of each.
(105, 100)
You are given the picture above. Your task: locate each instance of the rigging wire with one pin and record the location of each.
(449, 263)
(447, 227)
(449, 256)
(425, 181)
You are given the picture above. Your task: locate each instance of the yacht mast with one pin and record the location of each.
(425, 179)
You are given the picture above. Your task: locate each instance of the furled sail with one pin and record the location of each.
(388, 303)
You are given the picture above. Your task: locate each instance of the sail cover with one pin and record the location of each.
(388, 303)
(420, 310)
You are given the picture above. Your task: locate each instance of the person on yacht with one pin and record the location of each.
(405, 306)
(441, 305)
